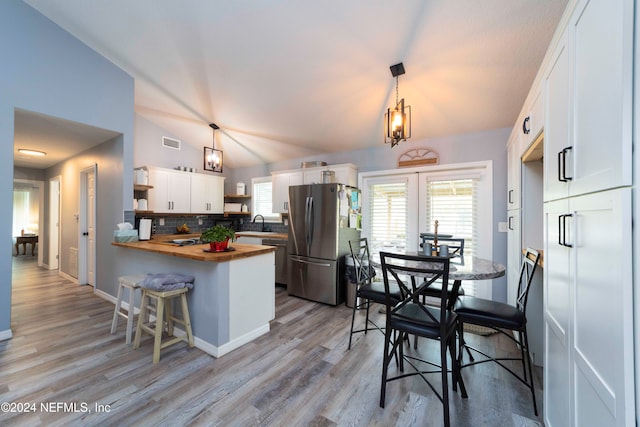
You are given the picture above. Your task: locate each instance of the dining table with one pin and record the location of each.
(468, 267)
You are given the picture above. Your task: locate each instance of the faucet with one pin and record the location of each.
(254, 221)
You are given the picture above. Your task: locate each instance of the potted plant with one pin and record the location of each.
(218, 237)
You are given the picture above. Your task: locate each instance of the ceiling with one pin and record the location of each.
(288, 79)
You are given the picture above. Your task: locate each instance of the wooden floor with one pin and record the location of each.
(300, 374)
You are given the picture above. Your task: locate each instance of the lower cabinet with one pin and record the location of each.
(588, 305)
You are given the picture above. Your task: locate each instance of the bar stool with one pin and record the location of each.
(131, 283)
(164, 313)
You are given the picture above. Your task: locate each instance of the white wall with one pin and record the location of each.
(46, 70)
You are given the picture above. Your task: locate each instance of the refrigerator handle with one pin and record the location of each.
(307, 214)
(311, 222)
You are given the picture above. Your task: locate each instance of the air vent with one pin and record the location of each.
(171, 143)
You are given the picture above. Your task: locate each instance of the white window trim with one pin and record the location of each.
(275, 217)
(484, 169)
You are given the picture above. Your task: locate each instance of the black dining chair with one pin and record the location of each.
(367, 291)
(414, 275)
(505, 319)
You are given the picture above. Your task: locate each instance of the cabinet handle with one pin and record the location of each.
(526, 129)
(168, 205)
(562, 230)
(509, 222)
(509, 197)
(562, 165)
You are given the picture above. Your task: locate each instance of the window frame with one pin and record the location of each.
(482, 170)
(274, 217)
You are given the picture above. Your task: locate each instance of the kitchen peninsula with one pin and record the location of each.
(233, 298)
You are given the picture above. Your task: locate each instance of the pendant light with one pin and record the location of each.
(213, 157)
(397, 121)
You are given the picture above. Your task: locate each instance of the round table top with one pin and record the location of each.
(469, 268)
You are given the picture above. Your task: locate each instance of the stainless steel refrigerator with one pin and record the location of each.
(322, 220)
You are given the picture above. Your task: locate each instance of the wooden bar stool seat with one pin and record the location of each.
(131, 283)
(164, 320)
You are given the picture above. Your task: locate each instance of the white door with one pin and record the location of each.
(91, 234)
(86, 227)
(557, 315)
(54, 223)
(602, 334)
(557, 154)
(602, 99)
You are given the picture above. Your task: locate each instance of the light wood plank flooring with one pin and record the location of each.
(300, 374)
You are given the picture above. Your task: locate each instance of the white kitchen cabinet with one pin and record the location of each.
(588, 142)
(514, 254)
(514, 173)
(556, 130)
(558, 287)
(171, 191)
(589, 311)
(280, 189)
(312, 176)
(602, 78)
(344, 174)
(533, 123)
(207, 194)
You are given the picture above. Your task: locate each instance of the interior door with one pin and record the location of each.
(54, 223)
(91, 220)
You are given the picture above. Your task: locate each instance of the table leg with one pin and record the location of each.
(17, 250)
(33, 248)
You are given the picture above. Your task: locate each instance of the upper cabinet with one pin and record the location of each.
(171, 191)
(183, 192)
(513, 173)
(207, 194)
(556, 133)
(280, 189)
(344, 174)
(533, 123)
(589, 102)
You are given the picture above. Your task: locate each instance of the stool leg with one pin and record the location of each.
(187, 319)
(168, 308)
(141, 317)
(130, 314)
(114, 322)
(159, 327)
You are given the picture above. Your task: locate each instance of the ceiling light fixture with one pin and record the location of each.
(397, 121)
(31, 152)
(213, 157)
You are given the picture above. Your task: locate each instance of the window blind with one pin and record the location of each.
(262, 199)
(389, 215)
(454, 203)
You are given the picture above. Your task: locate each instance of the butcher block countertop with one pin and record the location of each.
(196, 252)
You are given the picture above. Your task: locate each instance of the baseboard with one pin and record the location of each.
(203, 345)
(219, 351)
(6, 335)
(68, 277)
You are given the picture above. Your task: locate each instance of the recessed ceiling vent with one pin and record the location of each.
(171, 143)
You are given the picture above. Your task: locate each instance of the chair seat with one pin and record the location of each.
(374, 291)
(411, 318)
(436, 288)
(485, 312)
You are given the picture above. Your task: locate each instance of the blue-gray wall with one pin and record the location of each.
(46, 70)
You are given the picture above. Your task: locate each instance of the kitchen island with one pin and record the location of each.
(233, 298)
